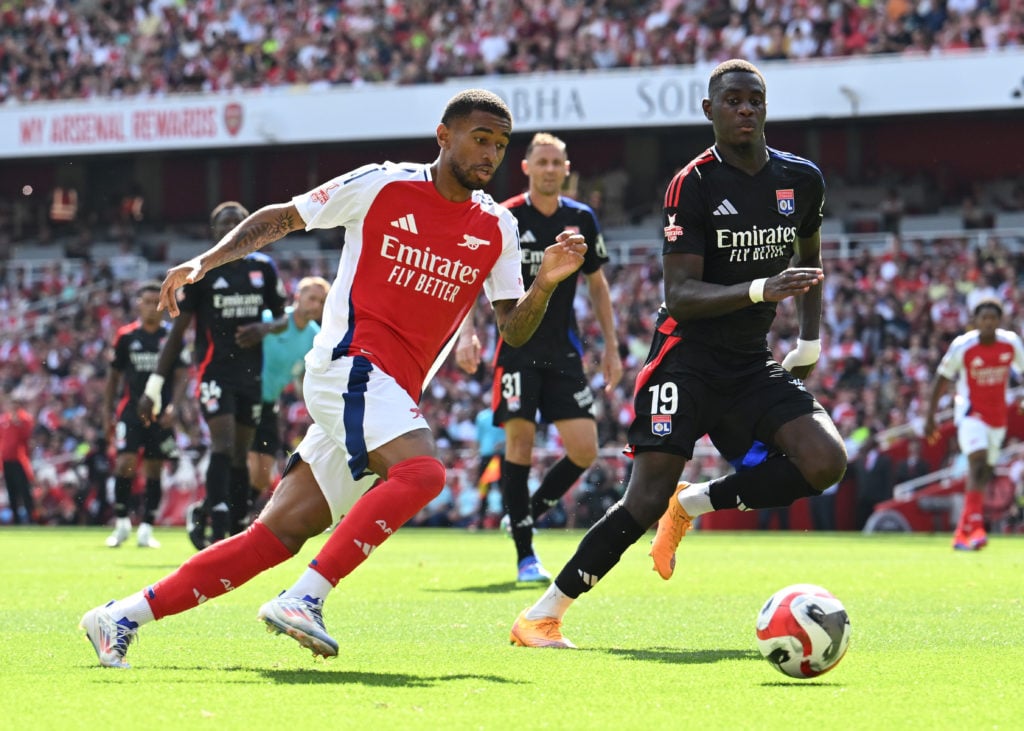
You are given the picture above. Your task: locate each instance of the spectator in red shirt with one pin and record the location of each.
(16, 426)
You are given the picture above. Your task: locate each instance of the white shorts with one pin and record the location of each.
(356, 408)
(974, 435)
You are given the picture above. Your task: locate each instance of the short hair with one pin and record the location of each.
(544, 138)
(991, 302)
(733, 65)
(466, 102)
(221, 207)
(151, 286)
(313, 282)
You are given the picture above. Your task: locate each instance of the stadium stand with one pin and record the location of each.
(81, 50)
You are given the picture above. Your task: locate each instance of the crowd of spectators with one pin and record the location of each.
(79, 49)
(888, 319)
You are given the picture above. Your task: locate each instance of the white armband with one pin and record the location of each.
(756, 291)
(154, 391)
(806, 353)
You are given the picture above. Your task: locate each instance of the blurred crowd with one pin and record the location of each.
(887, 321)
(79, 49)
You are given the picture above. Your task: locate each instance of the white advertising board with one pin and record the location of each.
(828, 89)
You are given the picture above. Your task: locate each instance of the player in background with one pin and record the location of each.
(742, 233)
(978, 363)
(421, 242)
(546, 375)
(229, 363)
(16, 426)
(285, 344)
(136, 349)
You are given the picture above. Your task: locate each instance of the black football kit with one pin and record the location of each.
(227, 298)
(135, 355)
(716, 375)
(546, 373)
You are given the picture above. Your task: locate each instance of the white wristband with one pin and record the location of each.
(806, 353)
(154, 391)
(756, 291)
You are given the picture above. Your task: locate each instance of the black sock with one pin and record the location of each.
(775, 483)
(240, 497)
(122, 496)
(600, 549)
(218, 480)
(515, 491)
(153, 494)
(220, 525)
(562, 475)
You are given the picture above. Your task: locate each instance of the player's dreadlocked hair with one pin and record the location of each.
(466, 102)
(728, 67)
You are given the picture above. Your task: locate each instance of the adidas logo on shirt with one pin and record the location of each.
(528, 238)
(406, 223)
(725, 208)
(221, 283)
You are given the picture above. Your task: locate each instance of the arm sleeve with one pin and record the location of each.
(119, 360)
(597, 251)
(505, 281)
(815, 212)
(1018, 355)
(685, 217)
(952, 361)
(340, 201)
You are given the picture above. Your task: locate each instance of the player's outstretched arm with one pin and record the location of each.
(518, 321)
(258, 229)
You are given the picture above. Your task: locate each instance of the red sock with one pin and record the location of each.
(411, 484)
(972, 516)
(224, 566)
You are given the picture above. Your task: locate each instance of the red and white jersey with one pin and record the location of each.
(412, 265)
(981, 373)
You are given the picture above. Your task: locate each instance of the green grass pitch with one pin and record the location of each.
(937, 639)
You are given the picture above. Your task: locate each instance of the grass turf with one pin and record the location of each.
(937, 639)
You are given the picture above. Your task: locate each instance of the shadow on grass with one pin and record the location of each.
(502, 587)
(379, 680)
(681, 657)
(319, 675)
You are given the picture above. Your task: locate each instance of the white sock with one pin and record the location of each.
(553, 603)
(311, 583)
(135, 608)
(695, 499)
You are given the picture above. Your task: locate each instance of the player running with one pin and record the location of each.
(979, 364)
(741, 234)
(421, 242)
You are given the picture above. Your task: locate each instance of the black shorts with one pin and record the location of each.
(219, 396)
(557, 393)
(131, 435)
(267, 439)
(679, 400)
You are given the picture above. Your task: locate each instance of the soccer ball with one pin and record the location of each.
(803, 630)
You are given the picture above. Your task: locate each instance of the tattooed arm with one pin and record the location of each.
(263, 227)
(518, 321)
